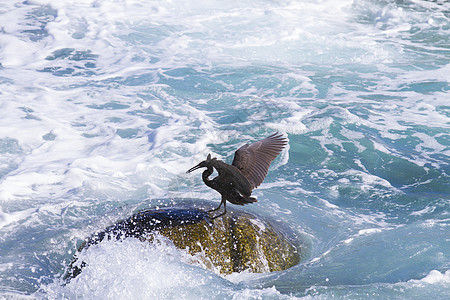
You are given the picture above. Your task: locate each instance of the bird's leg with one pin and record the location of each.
(224, 201)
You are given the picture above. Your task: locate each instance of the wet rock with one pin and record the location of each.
(235, 242)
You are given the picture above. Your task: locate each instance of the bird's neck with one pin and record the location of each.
(220, 166)
(209, 170)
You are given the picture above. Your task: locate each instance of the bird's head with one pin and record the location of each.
(204, 164)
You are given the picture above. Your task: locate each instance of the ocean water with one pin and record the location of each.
(105, 104)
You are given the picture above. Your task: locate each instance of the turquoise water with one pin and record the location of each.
(104, 105)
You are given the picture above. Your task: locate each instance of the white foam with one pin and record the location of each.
(369, 231)
(367, 180)
(264, 293)
(292, 124)
(139, 270)
(378, 219)
(7, 219)
(104, 22)
(131, 267)
(434, 277)
(426, 210)
(173, 68)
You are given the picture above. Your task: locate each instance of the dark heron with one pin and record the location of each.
(250, 165)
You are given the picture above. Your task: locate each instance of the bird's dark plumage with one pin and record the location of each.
(250, 165)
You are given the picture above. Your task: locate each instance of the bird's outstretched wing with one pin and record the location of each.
(253, 160)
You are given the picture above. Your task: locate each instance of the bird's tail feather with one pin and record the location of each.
(250, 200)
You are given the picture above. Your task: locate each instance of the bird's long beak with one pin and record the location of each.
(194, 168)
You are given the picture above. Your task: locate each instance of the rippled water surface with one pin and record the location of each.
(105, 104)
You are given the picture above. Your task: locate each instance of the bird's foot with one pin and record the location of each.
(219, 215)
(216, 216)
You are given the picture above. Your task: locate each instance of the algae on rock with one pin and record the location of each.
(235, 242)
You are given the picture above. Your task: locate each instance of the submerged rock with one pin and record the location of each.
(235, 242)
